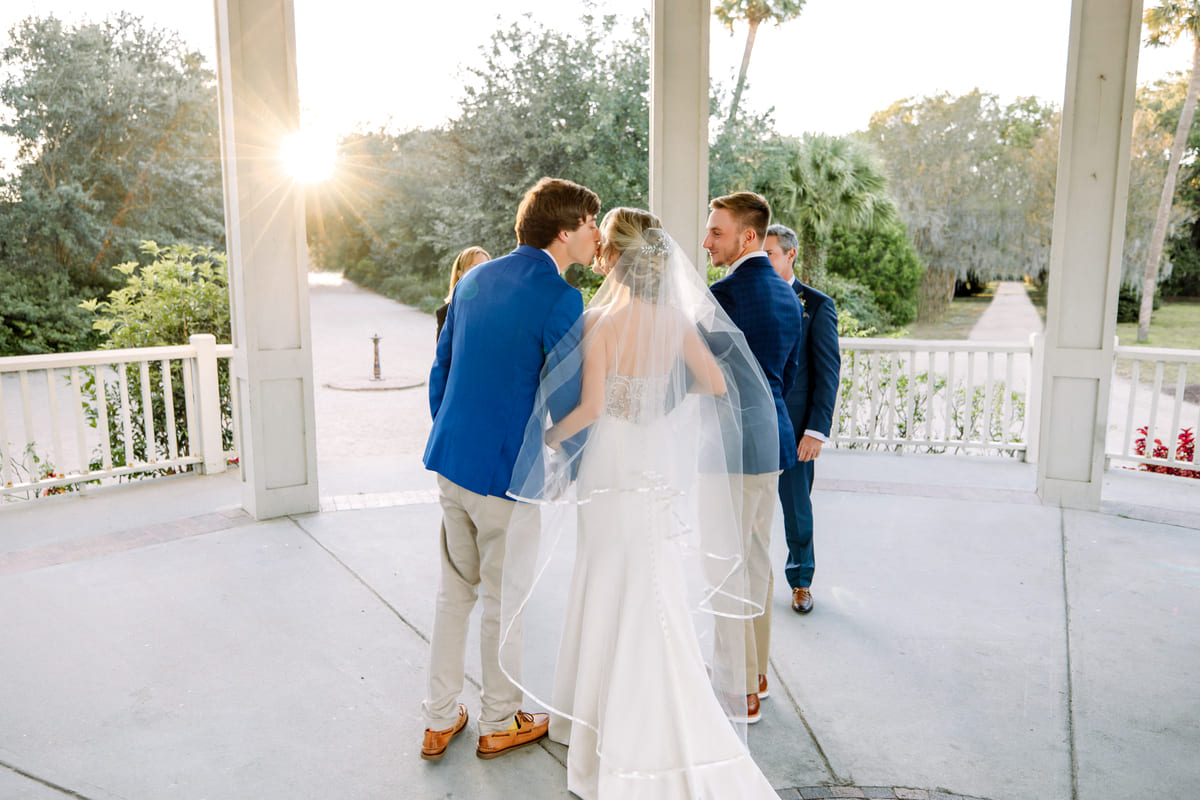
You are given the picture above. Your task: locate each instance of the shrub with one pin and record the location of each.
(856, 299)
(1185, 451)
(1129, 303)
(885, 262)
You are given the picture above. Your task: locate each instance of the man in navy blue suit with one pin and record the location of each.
(505, 317)
(769, 314)
(810, 404)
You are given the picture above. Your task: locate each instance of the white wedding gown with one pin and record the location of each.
(630, 664)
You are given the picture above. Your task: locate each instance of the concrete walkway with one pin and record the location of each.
(966, 642)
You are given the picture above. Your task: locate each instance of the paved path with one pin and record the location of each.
(1010, 316)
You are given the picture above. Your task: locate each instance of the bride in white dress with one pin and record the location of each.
(644, 468)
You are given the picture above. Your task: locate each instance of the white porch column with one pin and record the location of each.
(264, 224)
(679, 120)
(1085, 258)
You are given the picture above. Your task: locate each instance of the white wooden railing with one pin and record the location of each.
(896, 394)
(938, 396)
(72, 420)
(1156, 407)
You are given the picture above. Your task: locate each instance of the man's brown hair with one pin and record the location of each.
(551, 206)
(750, 209)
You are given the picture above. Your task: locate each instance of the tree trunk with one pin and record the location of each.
(1150, 276)
(741, 83)
(936, 292)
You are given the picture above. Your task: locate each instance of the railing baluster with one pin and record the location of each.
(169, 410)
(1006, 412)
(189, 407)
(102, 423)
(235, 413)
(969, 400)
(1152, 428)
(949, 395)
(126, 417)
(893, 379)
(1134, 382)
(80, 422)
(55, 427)
(1173, 442)
(910, 402)
(854, 396)
(930, 382)
(151, 454)
(27, 408)
(872, 381)
(989, 385)
(6, 460)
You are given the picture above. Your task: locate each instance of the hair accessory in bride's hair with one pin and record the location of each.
(658, 243)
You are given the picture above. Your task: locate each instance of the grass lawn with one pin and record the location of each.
(956, 323)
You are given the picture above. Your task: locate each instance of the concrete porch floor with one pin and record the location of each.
(966, 641)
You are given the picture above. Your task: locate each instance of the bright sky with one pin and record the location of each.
(371, 62)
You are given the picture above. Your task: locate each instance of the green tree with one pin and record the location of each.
(960, 173)
(115, 127)
(755, 13)
(571, 104)
(829, 182)
(1166, 23)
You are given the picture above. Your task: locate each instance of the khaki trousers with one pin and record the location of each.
(474, 529)
(758, 512)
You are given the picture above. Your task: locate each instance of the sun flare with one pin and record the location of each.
(308, 156)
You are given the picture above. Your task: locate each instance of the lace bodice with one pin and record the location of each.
(635, 399)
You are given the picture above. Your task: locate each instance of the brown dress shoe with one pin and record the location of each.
(436, 742)
(530, 728)
(753, 710)
(763, 694)
(802, 601)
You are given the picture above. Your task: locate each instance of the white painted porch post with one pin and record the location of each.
(679, 120)
(1085, 258)
(264, 225)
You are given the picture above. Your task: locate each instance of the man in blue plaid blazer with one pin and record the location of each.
(768, 312)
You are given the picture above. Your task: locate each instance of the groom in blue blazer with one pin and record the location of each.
(810, 404)
(767, 311)
(505, 317)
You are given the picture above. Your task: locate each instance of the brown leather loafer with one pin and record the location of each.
(753, 710)
(530, 728)
(802, 601)
(436, 742)
(763, 694)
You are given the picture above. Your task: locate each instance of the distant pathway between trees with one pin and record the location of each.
(1010, 317)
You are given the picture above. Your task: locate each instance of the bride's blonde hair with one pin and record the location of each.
(634, 246)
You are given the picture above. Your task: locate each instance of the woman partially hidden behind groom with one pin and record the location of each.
(615, 433)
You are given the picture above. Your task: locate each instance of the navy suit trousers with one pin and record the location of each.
(795, 494)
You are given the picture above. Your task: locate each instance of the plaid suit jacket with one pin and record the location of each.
(767, 311)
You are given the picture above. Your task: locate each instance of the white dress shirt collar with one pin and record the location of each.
(738, 263)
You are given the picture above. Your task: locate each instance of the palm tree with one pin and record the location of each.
(755, 12)
(1166, 23)
(829, 182)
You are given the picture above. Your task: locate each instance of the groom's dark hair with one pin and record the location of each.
(551, 206)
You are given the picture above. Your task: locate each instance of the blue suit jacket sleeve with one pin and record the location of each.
(826, 368)
(560, 340)
(441, 364)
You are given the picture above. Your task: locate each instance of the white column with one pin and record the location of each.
(679, 120)
(1085, 259)
(264, 226)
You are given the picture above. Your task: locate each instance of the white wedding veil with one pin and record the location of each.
(634, 453)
